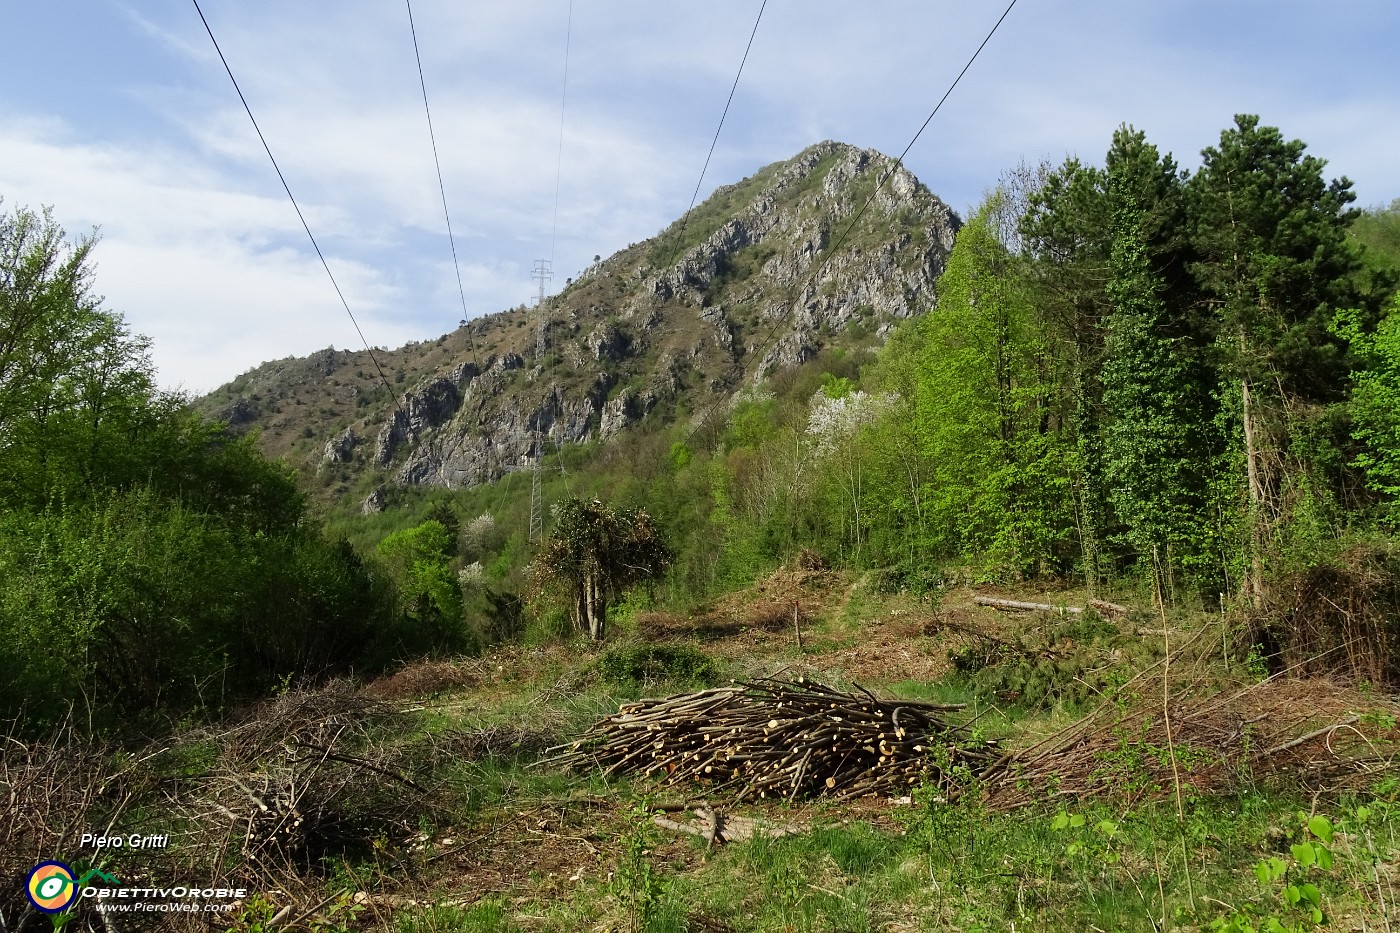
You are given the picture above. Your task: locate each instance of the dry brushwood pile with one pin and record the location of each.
(1328, 738)
(300, 778)
(780, 739)
(51, 791)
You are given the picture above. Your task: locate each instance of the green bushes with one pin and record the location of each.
(151, 563)
(638, 664)
(142, 605)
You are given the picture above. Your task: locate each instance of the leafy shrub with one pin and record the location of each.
(637, 664)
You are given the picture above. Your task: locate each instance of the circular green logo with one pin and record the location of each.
(51, 887)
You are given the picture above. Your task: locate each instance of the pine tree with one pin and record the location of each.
(1274, 264)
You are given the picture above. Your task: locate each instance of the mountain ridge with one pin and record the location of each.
(744, 285)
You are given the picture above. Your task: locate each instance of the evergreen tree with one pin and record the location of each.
(1274, 264)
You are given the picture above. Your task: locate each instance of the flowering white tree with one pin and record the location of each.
(837, 416)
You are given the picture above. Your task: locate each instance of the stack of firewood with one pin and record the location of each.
(779, 739)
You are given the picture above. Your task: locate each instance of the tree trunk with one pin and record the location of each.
(596, 606)
(579, 610)
(1254, 582)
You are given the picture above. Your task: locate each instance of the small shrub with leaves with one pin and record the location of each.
(638, 664)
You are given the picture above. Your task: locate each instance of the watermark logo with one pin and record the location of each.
(52, 888)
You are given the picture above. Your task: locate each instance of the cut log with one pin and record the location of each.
(1023, 606)
(1105, 608)
(717, 828)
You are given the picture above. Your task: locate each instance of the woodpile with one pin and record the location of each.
(780, 739)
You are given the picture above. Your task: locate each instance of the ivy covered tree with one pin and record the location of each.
(1274, 264)
(1156, 438)
(594, 554)
(1153, 445)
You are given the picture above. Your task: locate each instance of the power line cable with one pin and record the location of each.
(307, 227)
(451, 239)
(695, 195)
(543, 272)
(685, 218)
(899, 162)
(772, 330)
(563, 100)
(895, 167)
(442, 187)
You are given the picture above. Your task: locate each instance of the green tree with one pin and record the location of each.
(1156, 441)
(596, 552)
(1274, 263)
(1377, 232)
(1066, 232)
(1153, 445)
(70, 373)
(150, 562)
(989, 411)
(420, 561)
(1374, 405)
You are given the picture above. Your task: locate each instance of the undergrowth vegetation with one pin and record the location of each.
(430, 801)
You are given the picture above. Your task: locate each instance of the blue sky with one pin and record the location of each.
(119, 116)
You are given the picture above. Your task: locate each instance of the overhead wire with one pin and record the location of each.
(695, 195)
(899, 162)
(447, 217)
(894, 167)
(685, 218)
(442, 187)
(563, 101)
(553, 243)
(302, 217)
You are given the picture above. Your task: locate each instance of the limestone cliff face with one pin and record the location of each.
(761, 276)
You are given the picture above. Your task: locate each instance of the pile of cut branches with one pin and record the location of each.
(303, 776)
(1327, 738)
(780, 739)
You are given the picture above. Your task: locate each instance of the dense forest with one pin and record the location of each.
(1135, 376)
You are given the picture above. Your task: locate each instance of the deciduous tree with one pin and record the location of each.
(594, 553)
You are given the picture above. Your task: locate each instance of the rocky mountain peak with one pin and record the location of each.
(760, 276)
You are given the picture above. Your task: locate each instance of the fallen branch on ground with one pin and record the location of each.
(998, 603)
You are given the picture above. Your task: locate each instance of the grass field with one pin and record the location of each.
(426, 801)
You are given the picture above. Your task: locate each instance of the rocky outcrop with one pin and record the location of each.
(240, 412)
(762, 276)
(608, 341)
(465, 457)
(374, 502)
(340, 448)
(432, 404)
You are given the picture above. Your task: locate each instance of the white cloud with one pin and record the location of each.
(202, 251)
